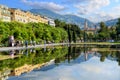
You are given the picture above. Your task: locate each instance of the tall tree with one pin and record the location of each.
(69, 34)
(118, 28)
(74, 37)
(103, 33)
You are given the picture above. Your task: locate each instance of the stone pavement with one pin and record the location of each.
(19, 48)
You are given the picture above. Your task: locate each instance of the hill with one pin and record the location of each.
(111, 22)
(67, 18)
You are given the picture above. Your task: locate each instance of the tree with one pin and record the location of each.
(72, 27)
(74, 37)
(31, 31)
(112, 32)
(69, 35)
(118, 28)
(103, 33)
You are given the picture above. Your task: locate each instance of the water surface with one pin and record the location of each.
(70, 63)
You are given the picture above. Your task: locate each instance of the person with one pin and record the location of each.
(11, 41)
(26, 43)
(12, 52)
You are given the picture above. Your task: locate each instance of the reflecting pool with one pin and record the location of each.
(62, 63)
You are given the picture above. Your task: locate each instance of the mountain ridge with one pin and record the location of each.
(67, 18)
(70, 18)
(111, 22)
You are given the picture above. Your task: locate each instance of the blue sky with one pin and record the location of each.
(94, 10)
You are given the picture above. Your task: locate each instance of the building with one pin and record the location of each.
(14, 14)
(44, 20)
(25, 16)
(31, 17)
(5, 13)
(89, 30)
(51, 22)
(18, 15)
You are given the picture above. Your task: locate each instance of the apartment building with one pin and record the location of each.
(31, 17)
(51, 22)
(4, 13)
(26, 16)
(14, 14)
(44, 20)
(18, 15)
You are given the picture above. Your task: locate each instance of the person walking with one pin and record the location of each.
(26, 43)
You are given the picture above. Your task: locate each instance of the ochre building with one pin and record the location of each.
(5, 13)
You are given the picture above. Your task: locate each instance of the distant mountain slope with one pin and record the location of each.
(111, 22)
(67, 18)
(45, 12)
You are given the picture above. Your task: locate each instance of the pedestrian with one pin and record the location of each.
(26, 43)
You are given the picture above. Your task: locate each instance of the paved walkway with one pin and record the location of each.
(55, 44)
(19, 48)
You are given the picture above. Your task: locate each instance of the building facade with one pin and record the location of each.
(89, 30)
(14, 14)
(25, 16)
(18, 15)
(51, 22)
(5, 13)
(44, 20)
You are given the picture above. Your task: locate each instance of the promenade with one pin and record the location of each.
(36, 46)
(55, 44)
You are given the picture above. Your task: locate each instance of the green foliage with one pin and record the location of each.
(103, 33)
(74, 36)
(74, 32)
(37, 57)
(69, 35)
(31, 31)
(118, 28)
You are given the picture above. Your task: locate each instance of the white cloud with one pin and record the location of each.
(74, 1)
(94, 10)
(117, 8)
(91, 5)
(46, 5)
(104, 16)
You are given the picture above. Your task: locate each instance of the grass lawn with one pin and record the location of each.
(99, 43)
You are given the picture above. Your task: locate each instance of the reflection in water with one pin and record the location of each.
(89, 70)
(12, 52)
(26, 52)
(71, 63)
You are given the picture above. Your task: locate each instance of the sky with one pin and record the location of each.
(94, 10)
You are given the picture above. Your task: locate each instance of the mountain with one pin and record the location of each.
(67, 18)
(111, 22)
